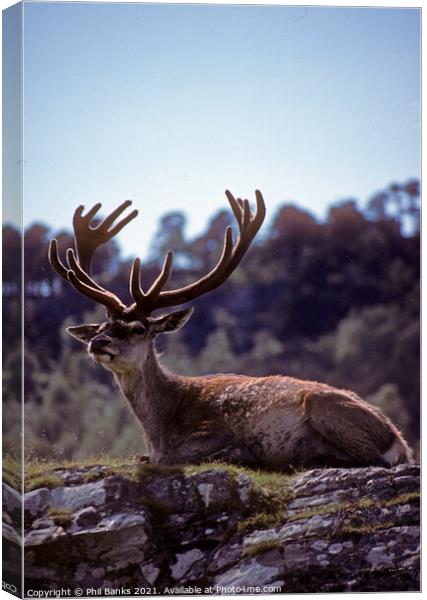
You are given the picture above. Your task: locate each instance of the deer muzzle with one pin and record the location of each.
(101, 349)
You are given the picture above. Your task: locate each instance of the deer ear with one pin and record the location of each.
(83, 333)
(171, 322)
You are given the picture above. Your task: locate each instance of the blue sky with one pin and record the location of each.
(170, 105)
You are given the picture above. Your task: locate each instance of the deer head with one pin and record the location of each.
(122, 341)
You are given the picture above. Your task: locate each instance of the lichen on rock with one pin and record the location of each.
(328, 530)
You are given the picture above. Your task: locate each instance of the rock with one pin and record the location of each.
(244, 488)
(248, 574)
(79, 496)
(87, 517)
(184, 562)
(150, 572)
(12, 503)
(36, 502)
(260, 536)
(217, 488)
(339, 530)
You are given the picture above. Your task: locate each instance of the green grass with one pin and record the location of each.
(62, 517)
(12, 472)
(147, 469)
(37, 471)
(269, 495)
(408, 498)
(43, 481)
(260, 548)
(274, 482)
(360, 530)
(324, 509)
(260, 520)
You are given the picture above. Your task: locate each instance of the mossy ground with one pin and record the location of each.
(268, 501)
(12, 472)
(272, 481)
(61, 516)
(37, 471)
(260, 548)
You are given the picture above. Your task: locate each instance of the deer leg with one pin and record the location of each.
(210, 445)
(349, 425)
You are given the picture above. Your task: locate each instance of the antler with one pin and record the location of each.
(88, 239)
(155, 298)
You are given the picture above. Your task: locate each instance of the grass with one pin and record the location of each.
(324, 509)
(147, 469)
(37, 471)
(269, 495)
(12, 472)
(260, 520)
(359, 530)
(409, 498)
(260, 548)
(43, 481)
(273, 482)
(62, 517)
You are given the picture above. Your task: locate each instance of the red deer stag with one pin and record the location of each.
(274, 422)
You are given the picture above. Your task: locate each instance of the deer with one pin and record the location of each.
(272, 422)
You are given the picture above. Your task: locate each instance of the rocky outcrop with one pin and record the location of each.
(224, 530)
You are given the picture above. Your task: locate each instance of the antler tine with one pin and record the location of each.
(55, 260)
(135, 286)
(145, 301)
(112, 303)
(163, 278)
(230, 257)
(246, 216)
(78, 271)
(235, 206)
(87, 238)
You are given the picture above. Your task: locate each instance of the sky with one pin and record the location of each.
(171, 105)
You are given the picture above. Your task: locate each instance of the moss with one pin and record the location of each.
(96, 475)
(62, 517)
(259, 548)
(261, 520)
(48, 481)
(324, 509)
(274, 481)
(36, 469)
(147, 469)
(360, 530)
(271, 487)
(408, 498)
(12, 472)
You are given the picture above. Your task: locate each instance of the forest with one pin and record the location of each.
(336, 301)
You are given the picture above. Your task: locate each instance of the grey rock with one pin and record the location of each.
(184, 562)
(36, 502)
(259, 536)
(87, 517)
(79, 496)
(150, 572)
(248, 573)
(343, 530)
(217, 489)
(11, 500)
(245, 487)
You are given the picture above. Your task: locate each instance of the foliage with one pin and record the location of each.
(336, 301)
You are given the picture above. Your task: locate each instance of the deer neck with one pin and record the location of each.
(153, 394)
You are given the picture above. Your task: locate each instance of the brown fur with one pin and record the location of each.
(272, 422)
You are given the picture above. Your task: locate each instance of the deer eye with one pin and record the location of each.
(139, 330)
